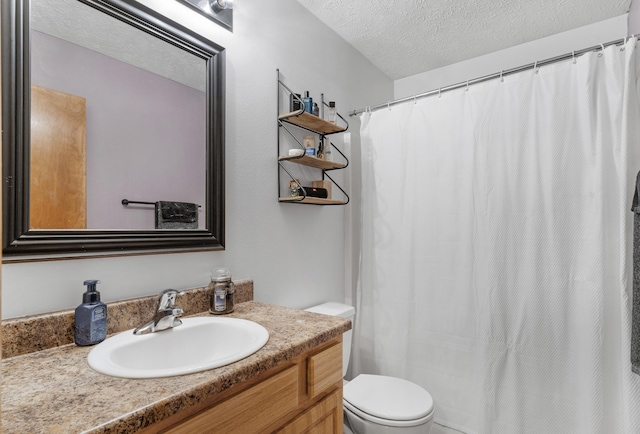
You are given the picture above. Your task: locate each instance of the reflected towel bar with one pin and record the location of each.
(126, 202)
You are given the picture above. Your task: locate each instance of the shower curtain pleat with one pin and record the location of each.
(496, 243)
(635, 310)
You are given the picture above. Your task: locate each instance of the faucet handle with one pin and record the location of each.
(168, 298)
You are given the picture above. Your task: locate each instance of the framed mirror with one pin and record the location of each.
(113, 131)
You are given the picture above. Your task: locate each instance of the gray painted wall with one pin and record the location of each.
(634, 18)
(265, 240)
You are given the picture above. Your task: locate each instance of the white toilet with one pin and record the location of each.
(377, 404)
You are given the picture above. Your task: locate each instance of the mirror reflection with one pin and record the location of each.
(113, 131)
(116, 114)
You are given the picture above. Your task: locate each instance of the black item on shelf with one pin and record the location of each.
(295, 102)
(316, 192)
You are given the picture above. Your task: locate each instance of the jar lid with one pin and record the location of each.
(221, 275)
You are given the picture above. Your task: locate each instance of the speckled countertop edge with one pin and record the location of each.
(55, 391)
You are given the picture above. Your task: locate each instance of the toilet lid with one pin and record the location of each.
(388, 397)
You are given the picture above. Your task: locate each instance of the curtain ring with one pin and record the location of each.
(467, 89)
(415, 100)
(535, 67)
(439, 92)
(601, 51)
(389, 105)
(501, 76)
(573, 56)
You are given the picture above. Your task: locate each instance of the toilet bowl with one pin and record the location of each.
(379, 404)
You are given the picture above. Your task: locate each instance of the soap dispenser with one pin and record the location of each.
(91, 317)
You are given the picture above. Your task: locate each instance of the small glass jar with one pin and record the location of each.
(294, 188)
(221, 299)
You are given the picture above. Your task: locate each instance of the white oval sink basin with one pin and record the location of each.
(196, 345)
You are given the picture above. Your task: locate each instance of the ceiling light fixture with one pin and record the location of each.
(221, 4)
(220, 11)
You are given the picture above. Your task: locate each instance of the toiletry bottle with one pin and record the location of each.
(331, 113)
(308, 102)
(91, 317)
(327, 149)
(294, 102)
(320, 151)
(316, 109)
(309, 143)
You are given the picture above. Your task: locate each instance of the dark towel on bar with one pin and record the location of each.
(176, 215)
(635, 314)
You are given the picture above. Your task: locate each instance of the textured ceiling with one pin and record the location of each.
(406, 37)
(82, 25)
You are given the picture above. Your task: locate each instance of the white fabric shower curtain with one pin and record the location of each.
(496, 248)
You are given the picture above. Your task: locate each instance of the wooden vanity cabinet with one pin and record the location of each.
(303, 395)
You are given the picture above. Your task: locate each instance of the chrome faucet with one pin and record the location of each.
(166, 316)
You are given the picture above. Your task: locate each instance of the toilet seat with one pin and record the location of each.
(348, 408)
(388, 401)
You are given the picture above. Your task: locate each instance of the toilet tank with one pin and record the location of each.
(344, 311)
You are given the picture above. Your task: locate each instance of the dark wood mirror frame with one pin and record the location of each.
(20, 243)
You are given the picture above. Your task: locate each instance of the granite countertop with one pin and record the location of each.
(55, 390)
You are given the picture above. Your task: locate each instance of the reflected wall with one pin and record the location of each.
(145, 132)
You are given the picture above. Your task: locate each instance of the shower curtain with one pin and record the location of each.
(495, 266)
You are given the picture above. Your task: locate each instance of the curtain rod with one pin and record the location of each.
(501, 74)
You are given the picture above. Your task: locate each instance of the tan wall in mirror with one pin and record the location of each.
(58, 196)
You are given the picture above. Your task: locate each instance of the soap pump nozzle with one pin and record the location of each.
(92, 295)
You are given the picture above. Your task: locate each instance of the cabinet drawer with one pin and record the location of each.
(323, 418)
(324, 369)
(249, 411)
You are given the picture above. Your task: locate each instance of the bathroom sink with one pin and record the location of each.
(197, 345)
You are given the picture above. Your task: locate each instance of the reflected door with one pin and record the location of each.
(58, 198)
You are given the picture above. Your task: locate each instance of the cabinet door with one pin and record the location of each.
(323, 418)
(249, 411)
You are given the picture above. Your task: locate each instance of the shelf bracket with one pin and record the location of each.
(337, 185)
